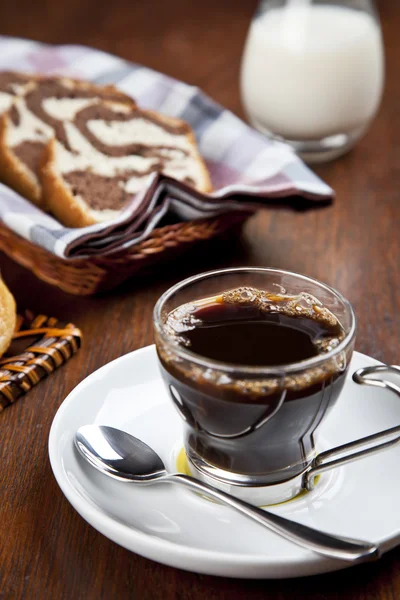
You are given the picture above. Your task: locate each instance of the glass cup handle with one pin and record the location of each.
(341, 455)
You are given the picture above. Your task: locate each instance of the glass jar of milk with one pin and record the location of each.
(312, 73)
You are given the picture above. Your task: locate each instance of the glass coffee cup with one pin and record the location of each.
(250, 428)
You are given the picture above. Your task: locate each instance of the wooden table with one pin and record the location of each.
(46, 550)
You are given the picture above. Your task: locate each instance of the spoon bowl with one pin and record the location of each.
(119, 454)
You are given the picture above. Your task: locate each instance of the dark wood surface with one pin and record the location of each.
(46, 550)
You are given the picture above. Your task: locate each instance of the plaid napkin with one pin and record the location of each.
(247, 170)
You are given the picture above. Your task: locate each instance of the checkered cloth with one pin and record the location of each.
(247, 170)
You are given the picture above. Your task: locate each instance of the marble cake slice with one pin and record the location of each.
(107, 155)
(34, 118)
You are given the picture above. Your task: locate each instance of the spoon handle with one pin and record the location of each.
(337, 547)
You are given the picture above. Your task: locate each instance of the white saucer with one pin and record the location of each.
(178, 528)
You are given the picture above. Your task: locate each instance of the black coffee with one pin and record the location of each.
(246, 335)
(225, 412)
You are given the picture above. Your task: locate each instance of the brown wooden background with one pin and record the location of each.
(46, 550)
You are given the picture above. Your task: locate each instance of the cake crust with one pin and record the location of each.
(58, 196)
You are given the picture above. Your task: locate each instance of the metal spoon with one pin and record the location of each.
(124, 457)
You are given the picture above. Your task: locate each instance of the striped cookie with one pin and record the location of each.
(108, 152)
(35, 117)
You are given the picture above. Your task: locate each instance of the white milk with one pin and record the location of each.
(312, 71)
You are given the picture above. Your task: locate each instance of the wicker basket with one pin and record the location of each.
(86, 276)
